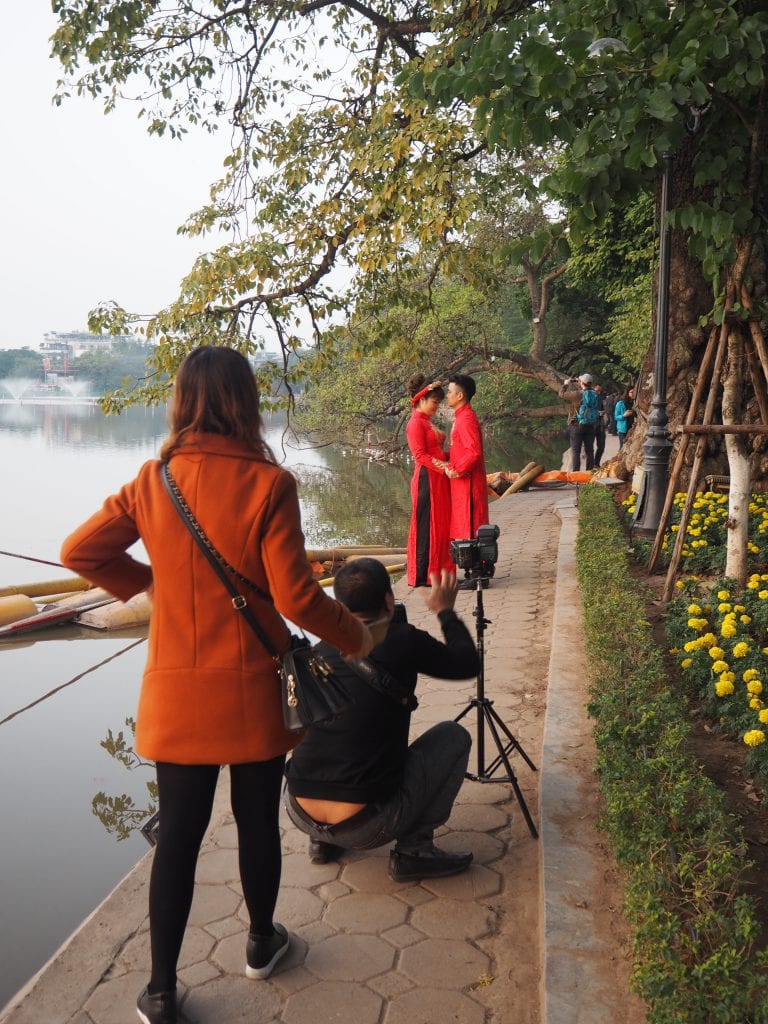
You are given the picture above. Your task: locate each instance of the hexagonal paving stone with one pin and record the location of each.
(433, 1006)
(197, 946)
(216, 866)
(485, 848)
(366, 912)
(478, 881)
(369, 875)
(478, 818)
(297, 907)
(234, 1001)
(482, 793)
(114, 1002)
(447, 963)
(445, 919)
(332, 1002)
(212, 903)
(298, 870)
(350, 957)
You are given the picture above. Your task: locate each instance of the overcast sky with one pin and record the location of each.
(90, 203)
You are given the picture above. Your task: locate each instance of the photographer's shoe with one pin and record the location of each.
(322, 853)
(431, 863)
(157, 1008)
(262, 953)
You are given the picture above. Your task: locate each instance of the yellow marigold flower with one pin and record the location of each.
(755, 687)
(674, 528)
(719, 666)
(750, 674)
(739, 608)
(723, 689)
(674, 650)
(755, 703)
(746, 619)
(708, 639)
(763, 716)
(716, 653)
(686, 663)
(740, 650)
(754, 737)
(728, 630)
(723, 595)
(763, 595)
(679, 584)
(689, 646)
(724, 607)
(753, 584)
(694, 609)
(728, 677)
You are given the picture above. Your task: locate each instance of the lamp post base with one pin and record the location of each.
(653, 490)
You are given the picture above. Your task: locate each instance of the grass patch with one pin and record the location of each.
(684, 855)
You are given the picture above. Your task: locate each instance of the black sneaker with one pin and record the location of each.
(432, 863)
(263, 953)
(322, 853)
(157, 1007)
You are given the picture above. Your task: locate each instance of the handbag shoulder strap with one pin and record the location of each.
(379, 679)
(217, 561)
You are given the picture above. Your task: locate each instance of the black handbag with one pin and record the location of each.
(311, 693)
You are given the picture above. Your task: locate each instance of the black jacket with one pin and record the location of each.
(359, 756)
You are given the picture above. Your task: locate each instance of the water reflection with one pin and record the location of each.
(120, 815)
(85, 426)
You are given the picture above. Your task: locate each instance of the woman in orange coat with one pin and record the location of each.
(210, 694)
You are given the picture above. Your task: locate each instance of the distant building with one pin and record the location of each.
(79, 342)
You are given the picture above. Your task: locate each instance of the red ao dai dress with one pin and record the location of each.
(428, 537)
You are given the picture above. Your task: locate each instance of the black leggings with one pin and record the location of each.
(185, 796)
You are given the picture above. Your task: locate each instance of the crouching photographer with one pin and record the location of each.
(354, 782)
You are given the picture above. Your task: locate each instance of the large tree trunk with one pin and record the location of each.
(691, 298)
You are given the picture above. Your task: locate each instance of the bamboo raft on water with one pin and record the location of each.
(29, 607)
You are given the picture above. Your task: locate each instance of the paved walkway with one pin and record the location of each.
(529, 934)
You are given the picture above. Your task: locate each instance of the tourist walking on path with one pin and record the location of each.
(429, 543)
(624, 413)
(466, 465)
(210, 694)
(600, 426)
(582, 418)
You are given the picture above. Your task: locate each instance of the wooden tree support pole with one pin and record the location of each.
(709, 409)
(724, 428)
(693, 409)
(758, 378)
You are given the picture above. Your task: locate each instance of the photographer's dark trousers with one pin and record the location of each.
(434, 771)
(582, 434)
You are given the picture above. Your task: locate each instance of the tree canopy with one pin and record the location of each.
(368, 138)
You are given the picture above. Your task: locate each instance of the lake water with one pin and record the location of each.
(63, 692)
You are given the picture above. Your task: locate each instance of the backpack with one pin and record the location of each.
(588, 413)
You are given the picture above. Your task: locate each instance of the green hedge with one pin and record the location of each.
(683, 853)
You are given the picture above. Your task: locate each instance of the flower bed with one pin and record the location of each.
(695, 927)
(719, 636)
(704, 548)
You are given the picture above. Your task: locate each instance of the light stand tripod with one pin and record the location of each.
(487, 715)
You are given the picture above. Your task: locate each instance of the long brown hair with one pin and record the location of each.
(215, 392)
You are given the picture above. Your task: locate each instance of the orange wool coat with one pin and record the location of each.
(210, 693)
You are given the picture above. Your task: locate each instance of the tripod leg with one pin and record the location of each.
(511, 777)
(514, 742)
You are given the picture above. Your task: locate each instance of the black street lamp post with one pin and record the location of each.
(657, 445)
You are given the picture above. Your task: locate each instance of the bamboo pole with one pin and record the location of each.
(724, 428)
(340, 553)
(693, 410)
(391, 569)
(47, 587)
(758, 378)
(523, 480)
(697, 460)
